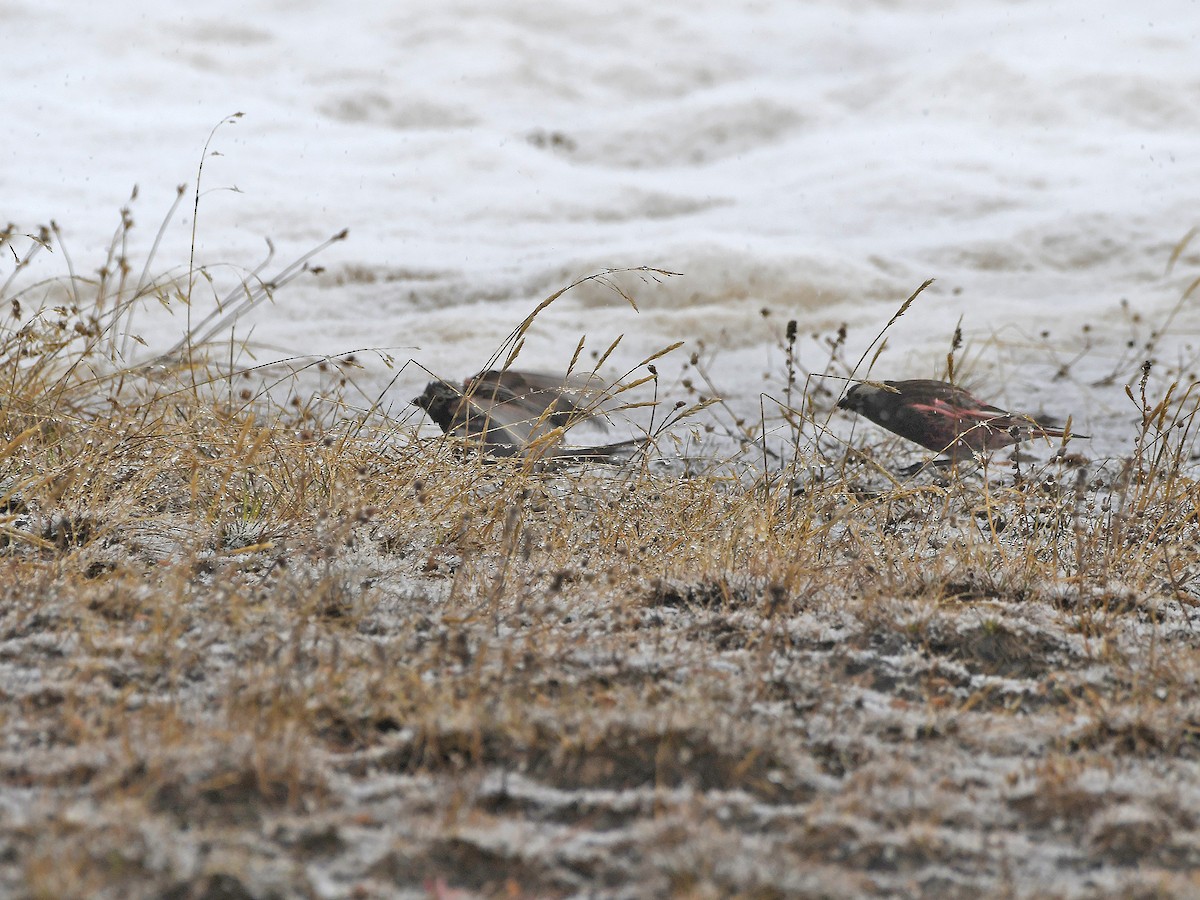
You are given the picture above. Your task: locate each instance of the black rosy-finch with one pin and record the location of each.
(511, 413)
(942, 417)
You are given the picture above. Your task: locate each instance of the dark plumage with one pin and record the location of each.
(942, 417)
(511, 412)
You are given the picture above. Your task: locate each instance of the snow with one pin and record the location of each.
(817, 160)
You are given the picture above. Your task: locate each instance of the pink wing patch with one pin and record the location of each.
(942, 408)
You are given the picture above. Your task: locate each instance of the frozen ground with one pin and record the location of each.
(448, 680)
(251, 663)
(817, 160)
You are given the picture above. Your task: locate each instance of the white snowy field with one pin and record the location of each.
(818, 160)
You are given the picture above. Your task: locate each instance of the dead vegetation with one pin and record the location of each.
(274, 644)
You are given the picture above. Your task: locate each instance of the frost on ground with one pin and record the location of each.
(241, 663)
(278, 644)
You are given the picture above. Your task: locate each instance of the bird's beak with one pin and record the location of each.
(844, 403)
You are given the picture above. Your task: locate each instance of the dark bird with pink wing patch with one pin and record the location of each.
(942, 417)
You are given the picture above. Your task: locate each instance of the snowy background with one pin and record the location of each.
(817, 160)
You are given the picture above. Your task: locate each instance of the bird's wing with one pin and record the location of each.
(981, 412)
(537, 398)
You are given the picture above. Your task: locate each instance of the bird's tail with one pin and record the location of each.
(1037, 429)
(612, 454)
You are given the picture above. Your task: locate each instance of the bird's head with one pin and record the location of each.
(875, 401)
(859, 398)
(440, 400)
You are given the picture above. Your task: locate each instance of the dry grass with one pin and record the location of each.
(253, 647)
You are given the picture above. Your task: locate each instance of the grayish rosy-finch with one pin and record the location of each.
(513, 413)
(942, 417)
